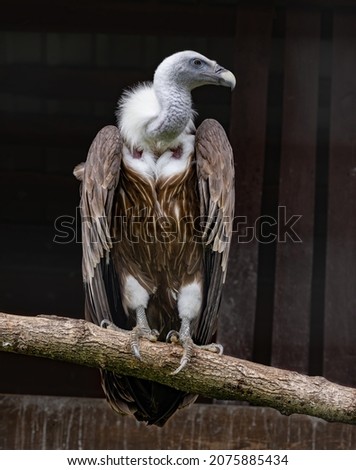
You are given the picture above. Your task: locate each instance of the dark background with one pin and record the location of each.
(292, 124)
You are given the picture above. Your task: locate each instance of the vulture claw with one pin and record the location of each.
(183, 362)
(137, 333)
(172, 337)
(213, 347)
(135, 349)
(188, 346)
(109, 324)
(105, 323)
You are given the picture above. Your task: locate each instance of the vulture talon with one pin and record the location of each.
(183, 363)
(107, 324)
(172, 337)
(188, 346)
(213, 347)
(135, 349)
(153, 336)
(137, 333)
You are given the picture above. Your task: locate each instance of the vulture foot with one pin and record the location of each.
(140, 332)
(188, 347)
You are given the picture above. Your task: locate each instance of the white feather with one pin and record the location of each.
(137, 108)
(167, 165)
(145, 166)
(190, 300)
(134, 295)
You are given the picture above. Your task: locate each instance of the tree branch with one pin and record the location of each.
(208, 374)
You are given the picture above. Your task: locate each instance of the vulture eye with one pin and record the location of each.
(197, 62)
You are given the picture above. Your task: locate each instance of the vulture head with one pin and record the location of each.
(188, 70)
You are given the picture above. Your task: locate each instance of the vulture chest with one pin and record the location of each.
(156, 233)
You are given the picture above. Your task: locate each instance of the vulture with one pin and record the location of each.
(157, 203)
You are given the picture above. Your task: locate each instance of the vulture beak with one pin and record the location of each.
(225, 77)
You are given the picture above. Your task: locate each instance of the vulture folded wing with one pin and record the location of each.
(215, 171)
(99, 176)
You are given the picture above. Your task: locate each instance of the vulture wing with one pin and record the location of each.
(99, 175)
(215, 171)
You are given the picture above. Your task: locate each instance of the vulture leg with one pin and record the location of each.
(141, 330)
(189, 307)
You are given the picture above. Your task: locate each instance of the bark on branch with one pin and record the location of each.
(213, 376)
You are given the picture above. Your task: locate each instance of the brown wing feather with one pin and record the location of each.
(215, 171)
(99, 176)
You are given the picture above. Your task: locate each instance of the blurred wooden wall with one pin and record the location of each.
(33, 422)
